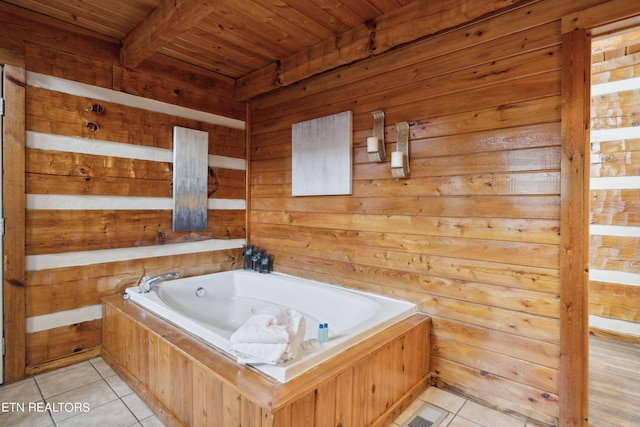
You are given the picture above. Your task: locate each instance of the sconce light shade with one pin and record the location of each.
(372, 144)
(397, 159)
(400, 157)
(375, 143)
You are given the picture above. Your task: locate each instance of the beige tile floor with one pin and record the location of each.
(91, 394)
(460, 411)
(86, 394)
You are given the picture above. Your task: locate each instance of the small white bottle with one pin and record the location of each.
(321, 333)
(326, 332)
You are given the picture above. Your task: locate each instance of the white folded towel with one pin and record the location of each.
(273, 335)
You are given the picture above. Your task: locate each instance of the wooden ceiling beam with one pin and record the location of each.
(417, 19)
(170, 19)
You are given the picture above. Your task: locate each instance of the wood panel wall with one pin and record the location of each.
(614, 288)
(472, 236)
(57, 230)
(98, 215)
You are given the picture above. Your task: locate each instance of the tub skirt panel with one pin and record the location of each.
(186, 382)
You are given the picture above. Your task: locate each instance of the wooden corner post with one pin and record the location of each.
(13, 158)
(574, 240)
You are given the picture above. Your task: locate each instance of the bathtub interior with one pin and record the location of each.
(213, 306)
(225, 301)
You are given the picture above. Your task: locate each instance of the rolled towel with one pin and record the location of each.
(273, 335)
(269, 325)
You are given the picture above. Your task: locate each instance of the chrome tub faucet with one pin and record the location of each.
(146, 283)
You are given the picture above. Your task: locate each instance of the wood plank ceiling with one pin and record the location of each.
(240, 39)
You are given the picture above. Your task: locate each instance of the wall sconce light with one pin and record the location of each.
(400, 157)
(375, 143)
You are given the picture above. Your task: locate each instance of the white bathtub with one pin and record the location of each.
(231, 297)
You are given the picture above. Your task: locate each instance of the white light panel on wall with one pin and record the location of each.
(321, 155)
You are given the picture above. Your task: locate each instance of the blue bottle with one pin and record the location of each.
(326, 332)
(321, 333)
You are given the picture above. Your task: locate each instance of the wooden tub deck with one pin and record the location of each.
(186, 382)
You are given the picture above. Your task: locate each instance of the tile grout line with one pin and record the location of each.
(102, 379)
(138, 420)
(455, 414)
(53, 421)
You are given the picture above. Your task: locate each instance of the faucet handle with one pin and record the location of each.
(143, 284)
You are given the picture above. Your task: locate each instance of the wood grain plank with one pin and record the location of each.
(615, 207)
(547, 330)
(502, 343)
(12, 51)
(516, 207)
(56, 172)
(615, 69)
(182, 379)
(528, 230)
(613, 386)
(164, 23)
(62, 341)
(57, 35)
(13, 187)
(161, 83)
(92, 230)
(326, 404)
(344, 397)
(619, 109)
(390, 30)
(574, 344)
(436, 80)
(63, 114)
(615, 158)
(526, 372)
(407, 242)
(404, 271)
(618, 253)
(209, 391)
(614, 300)
(523, 399)
(69, 65)
(303, 411)
(164, 383)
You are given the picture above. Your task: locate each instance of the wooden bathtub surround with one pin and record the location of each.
(188, 383)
